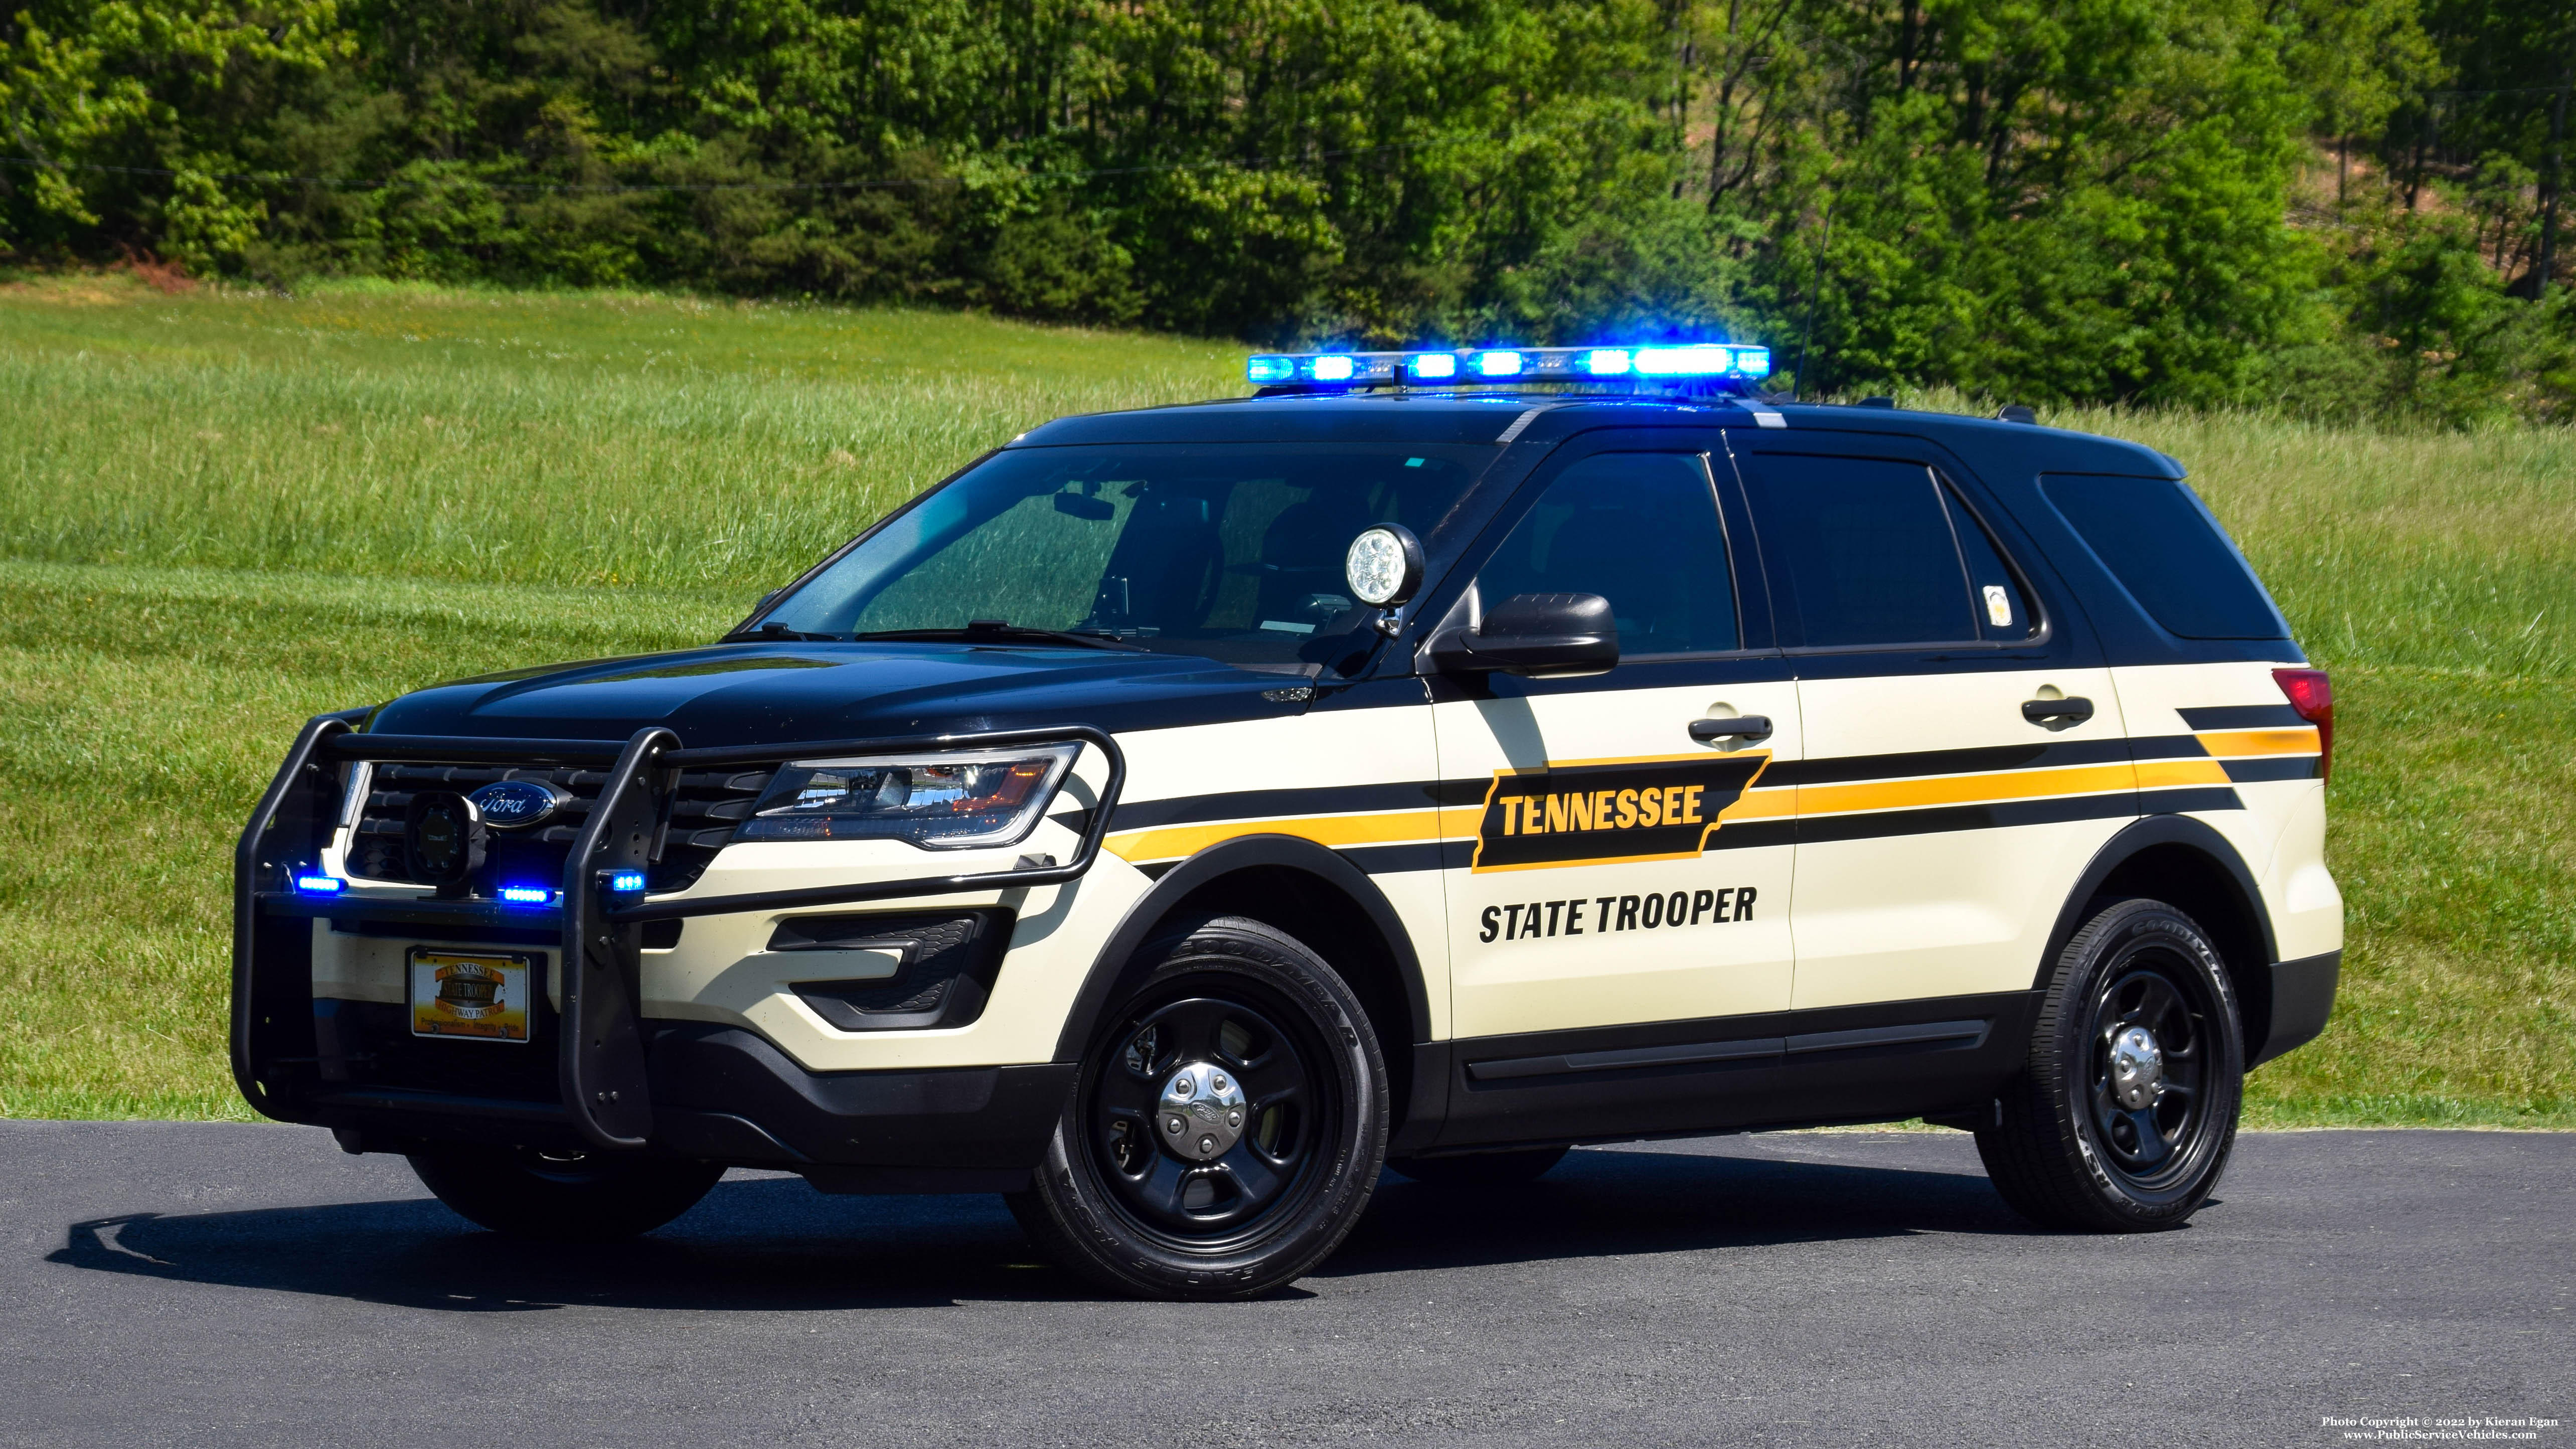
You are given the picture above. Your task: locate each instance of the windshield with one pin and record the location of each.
(1231, 551)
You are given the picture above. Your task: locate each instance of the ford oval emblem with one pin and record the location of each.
(517, 804)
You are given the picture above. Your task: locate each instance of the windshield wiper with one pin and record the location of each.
(994, 630)
(767, 632)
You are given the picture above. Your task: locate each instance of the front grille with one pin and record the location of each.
(706, 808)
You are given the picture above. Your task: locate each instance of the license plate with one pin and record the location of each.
(475, 995)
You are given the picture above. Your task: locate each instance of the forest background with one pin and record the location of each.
(2347, 208)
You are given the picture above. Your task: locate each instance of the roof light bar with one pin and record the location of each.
(1508, 365)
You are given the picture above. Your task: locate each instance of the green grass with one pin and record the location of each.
(219, 515)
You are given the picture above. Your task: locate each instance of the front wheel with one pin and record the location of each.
(2127, 1111)
(567, 1197)
(1226, 1128)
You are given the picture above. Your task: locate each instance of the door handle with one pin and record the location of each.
(1746, 727)
(2057, 713)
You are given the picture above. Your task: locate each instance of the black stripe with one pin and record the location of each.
(1998, 815)
(1753, 835)
(1421, 855)
(1843, 769)
(2241, 717)
(2280, 767)
(2167, 747)
(2183, 802)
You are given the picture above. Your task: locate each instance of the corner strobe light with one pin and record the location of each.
(1270, 369)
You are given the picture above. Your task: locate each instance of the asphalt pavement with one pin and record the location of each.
(222, 1284)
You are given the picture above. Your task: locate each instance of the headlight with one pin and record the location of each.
(946, 800)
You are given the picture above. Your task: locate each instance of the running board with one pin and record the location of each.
(1935, 1035)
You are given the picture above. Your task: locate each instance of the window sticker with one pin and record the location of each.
(1998, 606)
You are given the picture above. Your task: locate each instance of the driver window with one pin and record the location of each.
(1639, 529)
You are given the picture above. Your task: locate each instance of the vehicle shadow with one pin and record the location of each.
(1614, 1203)
(774, 1244)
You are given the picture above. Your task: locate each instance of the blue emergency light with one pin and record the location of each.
(320, 885)
(521, 895)
(1646, 364)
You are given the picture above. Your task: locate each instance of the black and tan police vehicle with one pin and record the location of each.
(1434, 760)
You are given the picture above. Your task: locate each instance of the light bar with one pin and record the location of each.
(527, 895)
(1509, 365)
(320, 885)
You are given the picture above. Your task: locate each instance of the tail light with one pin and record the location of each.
(2312, 695)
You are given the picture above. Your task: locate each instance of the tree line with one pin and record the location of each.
(2349, 207)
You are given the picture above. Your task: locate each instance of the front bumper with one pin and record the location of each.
(722, 1094)
(597, 1075)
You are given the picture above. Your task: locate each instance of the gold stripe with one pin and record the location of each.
(1334, 830)
(1964, 789)
(2299, 741)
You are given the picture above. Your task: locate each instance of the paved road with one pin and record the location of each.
(232, 1284)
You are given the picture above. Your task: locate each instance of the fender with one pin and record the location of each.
(2155, 830)
(1243, 852)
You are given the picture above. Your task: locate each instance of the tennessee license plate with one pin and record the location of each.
(476, 995)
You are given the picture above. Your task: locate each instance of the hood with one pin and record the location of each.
(759, 694)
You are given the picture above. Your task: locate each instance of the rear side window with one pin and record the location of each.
(2169, 553)
(1879, 554)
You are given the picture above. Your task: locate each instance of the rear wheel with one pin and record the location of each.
(1226, 1128)
(2127, 1112)
(572, 1197)
(1481, 1169)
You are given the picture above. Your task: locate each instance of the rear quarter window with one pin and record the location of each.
(2165, 548)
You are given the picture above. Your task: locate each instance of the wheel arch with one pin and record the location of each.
(2189, 865)
(1303, 889)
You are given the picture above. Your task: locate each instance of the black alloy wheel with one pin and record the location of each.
(2126, 1113)
(563, 1197)
(1227, 1126)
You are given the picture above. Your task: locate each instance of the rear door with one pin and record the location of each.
(1964, 749)
(1608, 868)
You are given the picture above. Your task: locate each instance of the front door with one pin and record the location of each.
(1623, 871)
(1965, 755)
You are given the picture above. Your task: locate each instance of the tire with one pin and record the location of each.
(1284, 1122)
(1481, 1169)
(2082, 1143)
(569, 1198)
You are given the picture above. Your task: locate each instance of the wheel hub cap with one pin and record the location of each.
(1201, 1113)
(2137, 1068)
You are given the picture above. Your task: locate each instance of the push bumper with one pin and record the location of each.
(618, 1082)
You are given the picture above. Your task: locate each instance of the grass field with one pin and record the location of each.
(219, 515)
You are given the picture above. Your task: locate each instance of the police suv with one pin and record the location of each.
(1433, 760)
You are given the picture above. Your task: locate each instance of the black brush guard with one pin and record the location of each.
(600, 1068)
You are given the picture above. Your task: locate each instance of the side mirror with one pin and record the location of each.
(1539, 636)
